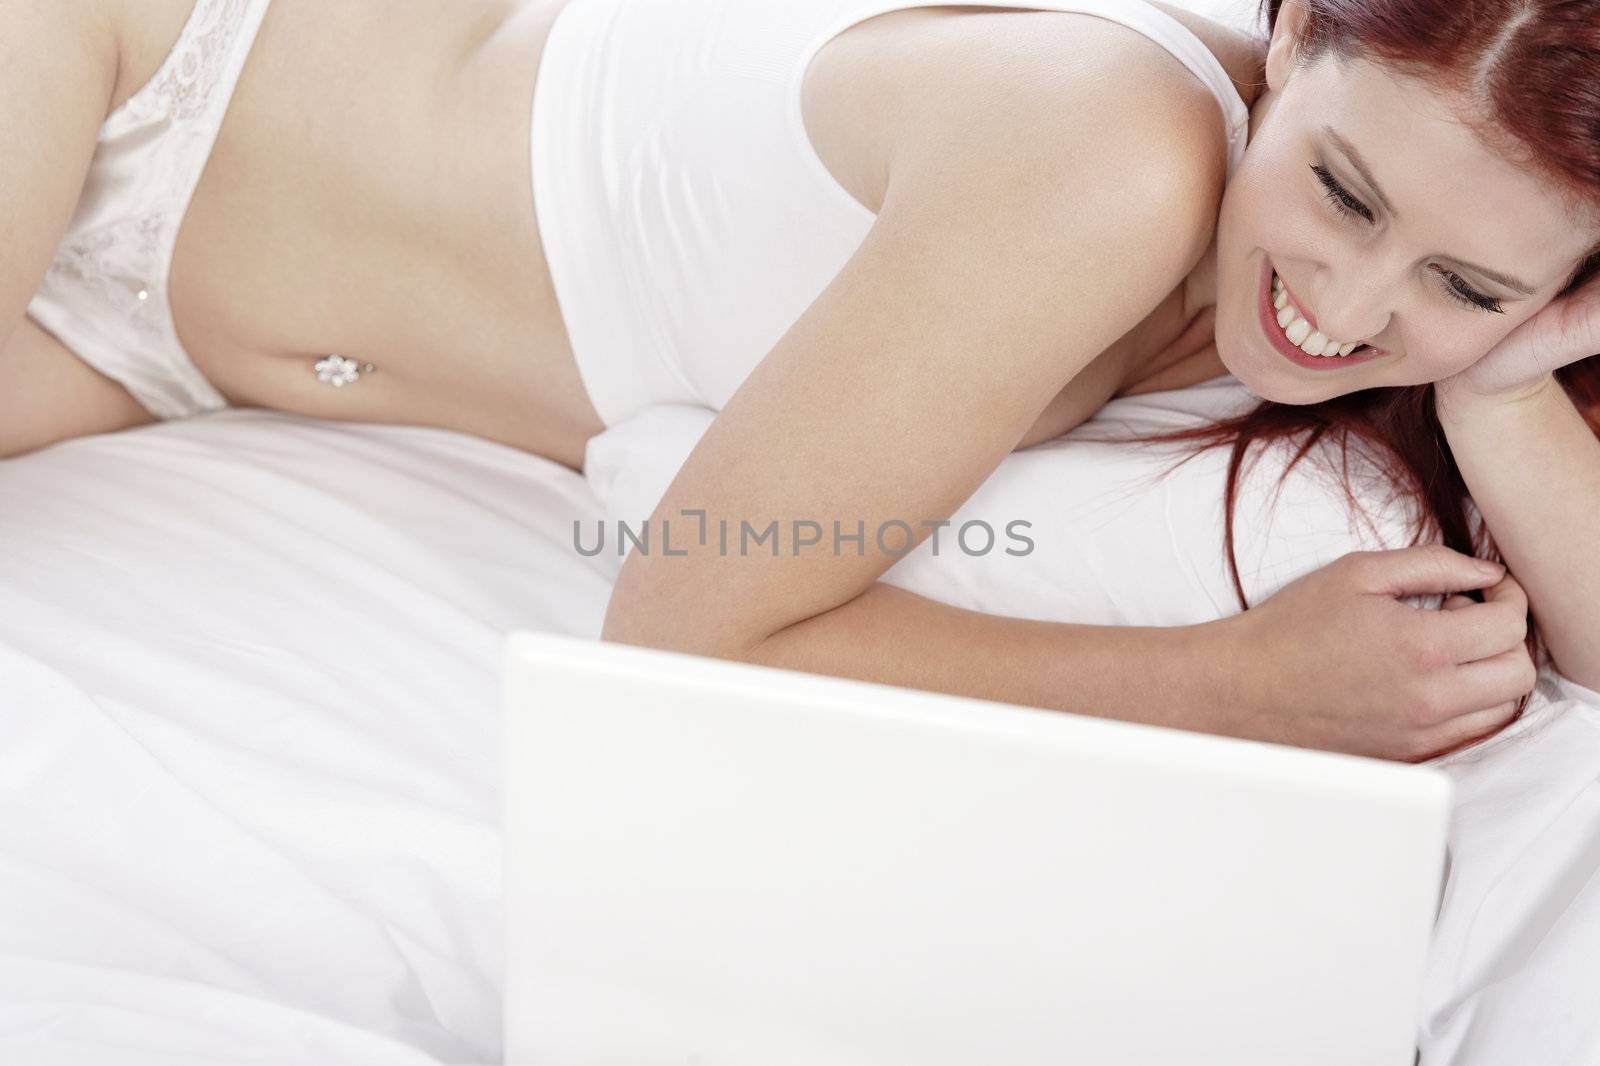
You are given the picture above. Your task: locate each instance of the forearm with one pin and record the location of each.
(1161, 675)
(1532, 466)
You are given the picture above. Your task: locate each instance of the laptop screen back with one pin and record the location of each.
(715, 862)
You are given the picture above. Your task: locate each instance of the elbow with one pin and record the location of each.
(627, 622)
(643, 614)
(674, 632)
(624, 624)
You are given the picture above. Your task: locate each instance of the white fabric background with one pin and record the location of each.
(249, 736)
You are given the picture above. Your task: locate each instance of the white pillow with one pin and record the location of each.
(1113, 543)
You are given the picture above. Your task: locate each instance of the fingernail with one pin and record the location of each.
(1490, 567)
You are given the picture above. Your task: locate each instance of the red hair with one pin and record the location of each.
(1532, 70)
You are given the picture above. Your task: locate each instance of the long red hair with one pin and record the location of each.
(1534, 67)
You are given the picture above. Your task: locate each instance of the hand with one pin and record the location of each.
(1562, 332)
(1334, 660)
(1510, 591)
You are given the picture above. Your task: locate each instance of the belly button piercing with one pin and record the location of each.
(338, 371)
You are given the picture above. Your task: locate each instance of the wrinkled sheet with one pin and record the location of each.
(1514, 968)
(249, 724)
(249, 736)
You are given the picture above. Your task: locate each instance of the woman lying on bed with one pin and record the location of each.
(890, 245)
(1408, 238)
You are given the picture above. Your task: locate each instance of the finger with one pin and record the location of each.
(1423, 568)
(1508, 591)
(1468, 729)
(1490, 682)
(1456, 601)
(1578, 327)
(1475, 631)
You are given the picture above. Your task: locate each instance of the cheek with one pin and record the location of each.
(1263, 210)
(1237, 215)
(1244, 233)
(1433, 354)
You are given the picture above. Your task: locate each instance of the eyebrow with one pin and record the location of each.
(1356, 161)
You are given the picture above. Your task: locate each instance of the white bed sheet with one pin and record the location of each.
(248, 819)
(249, 728)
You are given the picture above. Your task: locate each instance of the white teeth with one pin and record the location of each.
(1314, 344)
(1299, 331)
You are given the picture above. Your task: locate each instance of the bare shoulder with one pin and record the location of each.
(1067, 77)
(1055, 116)
(1018, 95)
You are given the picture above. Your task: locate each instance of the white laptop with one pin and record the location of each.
(712, 862)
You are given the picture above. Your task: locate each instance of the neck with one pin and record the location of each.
(1200, 287)
(1178, 348)
(1184, 352)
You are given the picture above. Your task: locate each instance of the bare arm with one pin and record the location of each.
(1532, 465)
(982, 289)
(48, 394)
(58, 67)
(1176, 676)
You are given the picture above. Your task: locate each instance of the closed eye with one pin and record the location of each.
(1339, 196)
(1347, 205)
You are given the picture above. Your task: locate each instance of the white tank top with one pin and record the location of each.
(686, 217)
(105, 294)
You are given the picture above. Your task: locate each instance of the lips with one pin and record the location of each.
(1267, 318)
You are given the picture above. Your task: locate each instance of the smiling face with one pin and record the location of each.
(1389, 222)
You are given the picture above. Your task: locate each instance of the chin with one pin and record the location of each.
(1245, 364)
(1267, 374)
(1268, 389)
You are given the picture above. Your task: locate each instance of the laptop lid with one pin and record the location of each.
(717, 862)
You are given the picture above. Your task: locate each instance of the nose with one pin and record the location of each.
(1353, 300)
